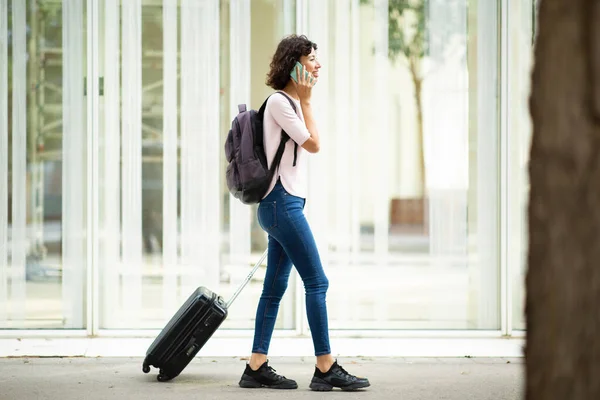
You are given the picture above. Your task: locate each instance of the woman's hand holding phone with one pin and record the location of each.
(303, 85)
(304, 82)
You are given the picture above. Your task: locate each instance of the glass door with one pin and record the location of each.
(43, 164)
(159, 201)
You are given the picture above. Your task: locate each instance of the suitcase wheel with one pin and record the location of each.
(146, 368)
(162, 377)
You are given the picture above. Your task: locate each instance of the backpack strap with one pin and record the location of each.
(278, 155)
(283, 132)
(284, 136)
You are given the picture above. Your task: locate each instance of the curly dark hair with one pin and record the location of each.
(289, 50)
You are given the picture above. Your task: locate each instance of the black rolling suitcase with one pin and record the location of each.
(189, 329)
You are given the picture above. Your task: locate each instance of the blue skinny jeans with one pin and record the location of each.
(291, 241)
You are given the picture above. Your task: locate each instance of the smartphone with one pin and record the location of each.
(293, 73)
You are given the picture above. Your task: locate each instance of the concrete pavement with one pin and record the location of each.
(216, 378)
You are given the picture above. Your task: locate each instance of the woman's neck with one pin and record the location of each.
(291, 90)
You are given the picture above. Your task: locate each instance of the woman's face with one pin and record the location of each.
(311, 63)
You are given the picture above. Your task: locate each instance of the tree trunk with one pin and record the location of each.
(418, 83)
(563, 279)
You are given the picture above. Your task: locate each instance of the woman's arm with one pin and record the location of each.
(312, 144)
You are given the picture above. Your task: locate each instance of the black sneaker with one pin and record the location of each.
(265, 376)
(337, 377)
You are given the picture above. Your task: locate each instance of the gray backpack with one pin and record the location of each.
(247, 174)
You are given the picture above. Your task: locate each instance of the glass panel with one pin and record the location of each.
(403, 196)
(138, 149)
(43, 143)
(520, 130)
(178, 69)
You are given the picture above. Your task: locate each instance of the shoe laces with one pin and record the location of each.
(343, 371)
(272, 372)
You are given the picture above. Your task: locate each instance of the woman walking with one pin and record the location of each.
(281, 215)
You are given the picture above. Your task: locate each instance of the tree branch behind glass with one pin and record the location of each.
(410, 43)
(406, 42)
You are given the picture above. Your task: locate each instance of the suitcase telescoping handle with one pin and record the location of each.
(243, 285)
